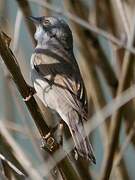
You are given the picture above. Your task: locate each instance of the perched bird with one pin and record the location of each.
(57, 80)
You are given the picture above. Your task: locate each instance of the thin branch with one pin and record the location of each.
(11, 165)
(104, 64)
(17, 151)
(121, 172)
(6, 170)
(116, 118)
(17, 30)
(124, 146)
(100, 116)
(7, 151)
(108, 18)
(114, 13)
(123, 14)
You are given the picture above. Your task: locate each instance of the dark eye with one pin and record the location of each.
(46, 22)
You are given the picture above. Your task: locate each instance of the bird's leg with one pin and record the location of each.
(48, 141)
(31, 93)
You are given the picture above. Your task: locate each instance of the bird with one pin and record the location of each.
(57, 80)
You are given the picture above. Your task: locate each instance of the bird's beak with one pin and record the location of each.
(35, 20)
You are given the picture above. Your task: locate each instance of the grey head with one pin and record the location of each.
(52, 31)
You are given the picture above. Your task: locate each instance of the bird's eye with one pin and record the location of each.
(46, 22)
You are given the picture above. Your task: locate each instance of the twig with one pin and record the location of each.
(100, 116)
(32, 106)
(119, 156)
(5, 147)
(124, 146)
(17, 30)
(117, 25)
(45, 11)
(116, 118)
(123, 14)
(24, 89)
(26, 10)
(119, 8)
(86, 25)
(28, 132)
(105, 65)
(11, 165)
(107, 13)
(6, 170)
(17, 151)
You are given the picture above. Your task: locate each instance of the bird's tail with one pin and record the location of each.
(82, 143)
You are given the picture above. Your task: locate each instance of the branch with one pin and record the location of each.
(100, 116)
(124, 146)
(24, 89)
(7, 151)
(10, 165)
(116, 117)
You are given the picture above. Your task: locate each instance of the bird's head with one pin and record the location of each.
(52, 30)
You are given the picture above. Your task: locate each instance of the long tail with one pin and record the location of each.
(83, 146)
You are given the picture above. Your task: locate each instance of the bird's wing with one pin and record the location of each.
(65, 77)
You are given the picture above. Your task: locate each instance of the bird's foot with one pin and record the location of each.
(31, 93)
(48, 142)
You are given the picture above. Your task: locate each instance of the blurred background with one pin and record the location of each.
(104, 39)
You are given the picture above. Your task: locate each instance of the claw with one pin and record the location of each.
(48, 142)
(27, 98)
(31, 93)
